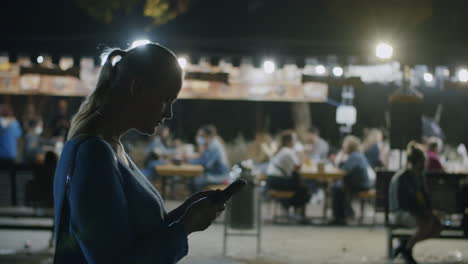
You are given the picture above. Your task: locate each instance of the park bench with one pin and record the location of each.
(443, 188)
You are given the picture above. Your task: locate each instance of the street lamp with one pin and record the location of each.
(383, 51)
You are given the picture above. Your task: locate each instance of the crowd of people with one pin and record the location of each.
(282, 162)
(27, 139)
(280, 159)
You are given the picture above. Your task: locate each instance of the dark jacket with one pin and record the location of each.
(408, 193)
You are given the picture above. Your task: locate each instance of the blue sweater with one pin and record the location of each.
(214, 160)
(112, 214)
(356, 167)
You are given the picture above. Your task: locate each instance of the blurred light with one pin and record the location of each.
(428, 77)
(320, 69)
(337, 71)
(139, 42)
(463, 75)
(269, 66)
(383, 51)
(40, 59)
(446, 72)
(182, 62)
(346, 114)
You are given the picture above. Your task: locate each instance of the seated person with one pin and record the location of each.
(213, 159)
(433, 159)
(282, 174)
(318, 147)
(409, 202)
(262, 150)
(158, 151)
(373, 148)
(356, 179)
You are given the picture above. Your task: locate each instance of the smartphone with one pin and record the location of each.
(224, 195)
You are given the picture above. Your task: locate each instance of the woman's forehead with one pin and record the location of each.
(168, 88)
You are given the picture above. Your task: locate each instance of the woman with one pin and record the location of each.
(410, 203)
(282, 174)
(105, 209)
(358, 178)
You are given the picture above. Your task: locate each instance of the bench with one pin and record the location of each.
(276, 197)
(443, 188)
(11, 218)
(364, 197)
(17, 225)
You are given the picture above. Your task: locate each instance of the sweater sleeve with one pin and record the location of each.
(99, 215)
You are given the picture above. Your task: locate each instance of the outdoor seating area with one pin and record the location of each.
(234, 132)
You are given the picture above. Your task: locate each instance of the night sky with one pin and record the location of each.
(422, 31)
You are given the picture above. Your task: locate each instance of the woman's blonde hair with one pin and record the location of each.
(373, 136)
(352, 143)
(146, 60)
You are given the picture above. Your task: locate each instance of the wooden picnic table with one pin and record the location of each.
(324, 176)
(186, 171)
(328, 174)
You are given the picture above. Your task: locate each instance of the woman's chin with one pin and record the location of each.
(148, 131)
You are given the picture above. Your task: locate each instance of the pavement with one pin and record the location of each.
(280, 244)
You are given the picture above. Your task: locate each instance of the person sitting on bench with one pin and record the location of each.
(358, 178)
(283, 175)
(409, 202)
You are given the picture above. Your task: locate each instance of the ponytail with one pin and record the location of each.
(99, 96)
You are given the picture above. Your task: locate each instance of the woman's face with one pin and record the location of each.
(154, 104)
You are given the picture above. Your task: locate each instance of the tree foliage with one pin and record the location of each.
(160, 11)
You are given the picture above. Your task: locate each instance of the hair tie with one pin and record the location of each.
(116, 52)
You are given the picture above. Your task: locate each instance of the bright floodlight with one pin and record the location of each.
(337, 71)
(320, 69)
(182, 62)
(428, 77)
(139, 42)
(383, 51)
(40, 59)
(269, 66)
(463, 75)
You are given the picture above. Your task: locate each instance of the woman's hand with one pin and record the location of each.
(177, 213)
(200, 215)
